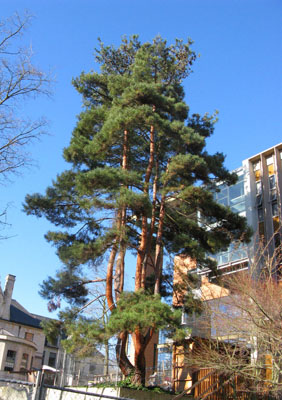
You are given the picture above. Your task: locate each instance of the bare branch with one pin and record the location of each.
(19, 80)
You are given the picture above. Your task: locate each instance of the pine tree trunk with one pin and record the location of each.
(158, 254)
(106, 362)
(124, 364)
(159, 248)
(140, 344)
(141, 264)
(140, 267)
(139, 359)
(119, 273)
(109, 278)
(152, 227)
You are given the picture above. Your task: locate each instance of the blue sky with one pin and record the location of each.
(238, 73)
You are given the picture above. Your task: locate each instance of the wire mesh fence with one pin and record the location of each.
(75, 372)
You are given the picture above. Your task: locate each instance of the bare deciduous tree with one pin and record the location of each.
(244, 345)
(19, 80)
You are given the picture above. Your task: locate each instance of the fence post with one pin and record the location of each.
(36, 388)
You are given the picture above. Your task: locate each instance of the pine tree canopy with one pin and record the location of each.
(142, 310)
(140, 178)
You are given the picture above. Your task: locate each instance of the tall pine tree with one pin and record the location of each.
(140, 181)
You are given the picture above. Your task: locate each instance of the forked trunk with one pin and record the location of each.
(121, 348)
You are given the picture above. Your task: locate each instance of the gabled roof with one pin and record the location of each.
(24, 318)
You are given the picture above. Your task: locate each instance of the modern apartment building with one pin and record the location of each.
(257, 196)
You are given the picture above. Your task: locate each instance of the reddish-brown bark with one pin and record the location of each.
(121, 347)
(143, 242)
(109, 278)
(158, 251)
(121, 350)
(140, 343)
(148, 253)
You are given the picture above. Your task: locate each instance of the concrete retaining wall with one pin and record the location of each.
(21, 392)
(16, 392)
(53, 394)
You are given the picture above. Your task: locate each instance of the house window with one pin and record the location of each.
(92, 368)
(24, 362)
(52, 360)
(10, 360)
(29, 336)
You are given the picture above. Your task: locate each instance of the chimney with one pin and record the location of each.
(8, 291)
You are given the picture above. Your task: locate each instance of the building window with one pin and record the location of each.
(270, 165)
(260, 214)
(272, 184)
(52, 360)
(269, 160)
(24, 362)
(10, 360)
(259, 200)
(273, 195)
(29, 336)
(274, 209)
(53, 343)
(258, 188)
(92, 368)
(256, 168)
(261, 229)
